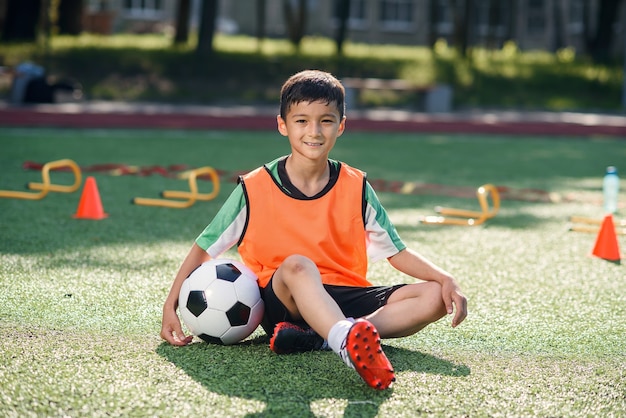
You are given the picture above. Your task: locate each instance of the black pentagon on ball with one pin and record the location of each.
(227, 272)
(210, 339)
(196, 302)
(238, 314)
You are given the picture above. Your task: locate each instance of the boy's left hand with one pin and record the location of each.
(452, 297)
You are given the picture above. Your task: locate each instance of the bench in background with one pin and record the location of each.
(436, 98)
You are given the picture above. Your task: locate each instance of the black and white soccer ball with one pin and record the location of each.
(220, 301)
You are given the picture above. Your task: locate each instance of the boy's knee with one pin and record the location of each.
(297, 263)
(433, 298)
(297, 266)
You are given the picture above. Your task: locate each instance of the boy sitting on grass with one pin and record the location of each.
(306, 225)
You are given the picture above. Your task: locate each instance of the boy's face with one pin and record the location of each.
(312, 128)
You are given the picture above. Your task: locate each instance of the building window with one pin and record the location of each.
(396, 14)
(144, 9)
(97, 5)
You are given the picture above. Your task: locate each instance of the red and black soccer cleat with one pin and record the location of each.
(362, 350)
(290, 338)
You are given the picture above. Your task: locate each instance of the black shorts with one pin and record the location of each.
(354, 302)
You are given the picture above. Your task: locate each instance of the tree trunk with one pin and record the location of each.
(208, 17)
(182, 22)
(343, 13)
(260, 22)
(600, 44)
(511, 24)
(260, 19)
(461, 16)
(558, 40)
(586, 26)
(22, 18)
(70, 17)
(433, 20)
(295, 22)
(493, 21)
(468, 13)
(462, 20)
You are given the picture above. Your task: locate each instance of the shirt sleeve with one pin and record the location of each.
(226, 228)
(383, 240)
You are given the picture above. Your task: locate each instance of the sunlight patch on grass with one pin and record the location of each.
(127, 40)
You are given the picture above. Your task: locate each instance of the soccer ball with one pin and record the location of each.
(220, 301)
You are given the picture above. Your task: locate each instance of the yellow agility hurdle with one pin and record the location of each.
(47, 186)
(591, 225)
(451, 216)
(192, 195)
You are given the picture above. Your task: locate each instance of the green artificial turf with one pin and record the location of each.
(81, 300)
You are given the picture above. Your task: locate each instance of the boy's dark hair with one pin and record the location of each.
(312, 86)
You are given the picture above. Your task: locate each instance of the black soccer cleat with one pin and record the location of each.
(289, 338)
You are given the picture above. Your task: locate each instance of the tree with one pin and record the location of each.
(494, 19)
(560, 38)
(433, 21)
(182, 22)
(70, 15)
(208, 18)
(599, 43)
(22, 19)
(295, 21)
(343, 14)
(512, 21)
(462, 15)
(260, 22)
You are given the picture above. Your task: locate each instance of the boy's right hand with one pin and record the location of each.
(171, 330)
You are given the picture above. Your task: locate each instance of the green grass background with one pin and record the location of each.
(81, 300)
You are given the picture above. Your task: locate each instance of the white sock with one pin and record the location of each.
(338, 334)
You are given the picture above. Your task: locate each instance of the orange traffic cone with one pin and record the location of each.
(607, 246)
(90, 205)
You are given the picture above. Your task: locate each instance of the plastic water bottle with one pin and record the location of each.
(610, 189)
